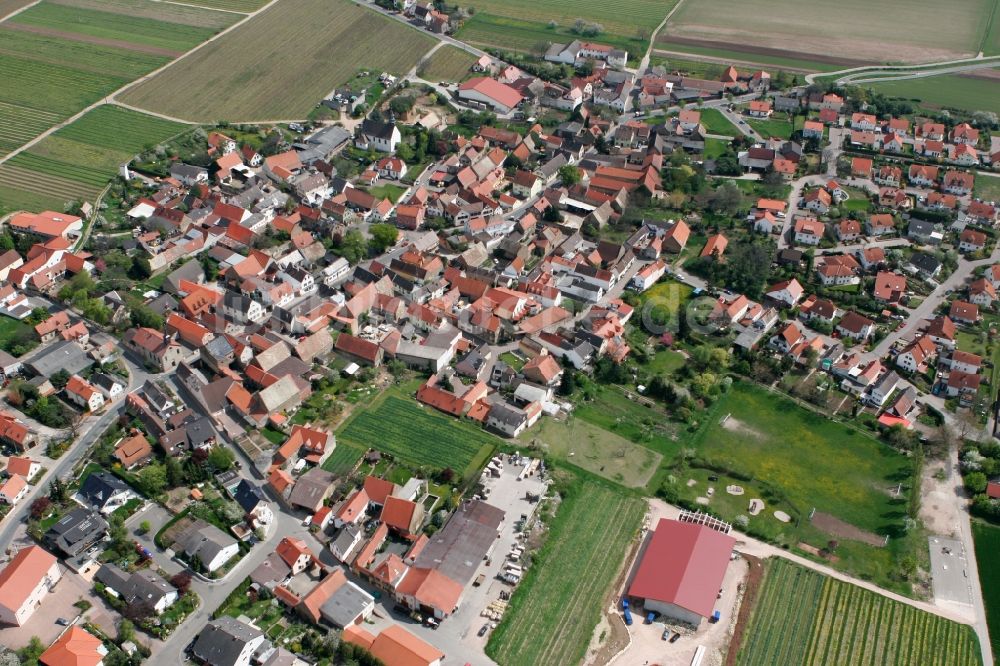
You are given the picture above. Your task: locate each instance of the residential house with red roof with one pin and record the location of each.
(25, 582)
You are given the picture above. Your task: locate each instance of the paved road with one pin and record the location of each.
(644, 63)
(851, 249)
(860, 71)
(13, 530)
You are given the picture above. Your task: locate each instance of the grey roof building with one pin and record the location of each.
(457, 549)
(103, 491)
(77, 531)
(346, 604)
(142, 587)
(66, 355)
(227, 642)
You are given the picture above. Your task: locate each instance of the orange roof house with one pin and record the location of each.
(395, 646)
(134, 451)
(76, 647)
(403, 516)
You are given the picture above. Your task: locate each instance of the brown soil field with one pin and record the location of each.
(768, 51)
(838, 528)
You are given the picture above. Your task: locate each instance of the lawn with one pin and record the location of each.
(387, 191)
(448, 63)
(660, 304)
(418, 435)
(596, 450)
(715, 148)
(11, 328)
(318, 44)
(611, 410)
(716, 123)
(987, 539)
(553, 612)
(804, 617)
(521, 24)
(897, 32)
(768, 437)
(946, 91)
(987, 188)
(768, 127)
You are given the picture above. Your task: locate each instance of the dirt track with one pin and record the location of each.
(838, 528)
(76, 37)
(667, 39)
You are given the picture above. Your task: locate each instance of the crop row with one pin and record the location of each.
(41, 164)
(120, 129)
(416, 435)
(554, 611)
(343, 459)
(113, 26)
(82, 56)
(845, 624)
(59, 89)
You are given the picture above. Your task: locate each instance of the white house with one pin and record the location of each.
(14, 489)
(377, 135)
(81, 392)
(788, 292)
(25, 582)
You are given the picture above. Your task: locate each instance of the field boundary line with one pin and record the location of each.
(187, 4)
(18, 11)
(110, 98)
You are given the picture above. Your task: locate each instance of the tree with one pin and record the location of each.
(58, 491)
(182, 581)
(568, 384)
(221, 458)
(153, 480)
(40, 507)
(141, 270)
(117, 533)
(569, 175)
(975, 482)
(32, 651)
(175, 472)
(60, 378)
(144, 527)
(353, 246)
(383, 236)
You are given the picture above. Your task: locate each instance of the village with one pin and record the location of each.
(295, 397)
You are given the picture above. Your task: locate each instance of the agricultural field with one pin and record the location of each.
(804, 617)
(611, 410)
(78, 160)
(343, 459)
(59, 57)
(969, 93)
(448, 63)
(897, 32)
(318, 44)
(728, 54)
(523, 24)
(596, 450)
(553, 612)
(419, 435)
(987, 540)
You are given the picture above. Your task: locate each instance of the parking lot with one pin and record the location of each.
(59, 605)
(647, 644)
(949, 572)
(457, 635)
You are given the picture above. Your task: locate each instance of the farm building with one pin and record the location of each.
(681, 571)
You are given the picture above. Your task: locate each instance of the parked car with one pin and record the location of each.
(482, 630)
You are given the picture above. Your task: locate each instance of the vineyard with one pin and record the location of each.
(803, 617)
(79, 159)
(553, 613)
(318, 44)
(419, 436)
(448, 63)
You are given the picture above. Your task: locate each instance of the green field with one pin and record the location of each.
(987, 540)
(987, 188)
(804, 617)
(716, 123)
(318, 44)
(715, 148)
(768, 127)
(553, 612)
(768, 437)
(344, 458)
(78, 160)
(419, 435)
(387, 191)
(523, 24)
(448, 63)
(897, 32)
(130, 31)
(948, 90)
(58, 57)
(596, 450)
